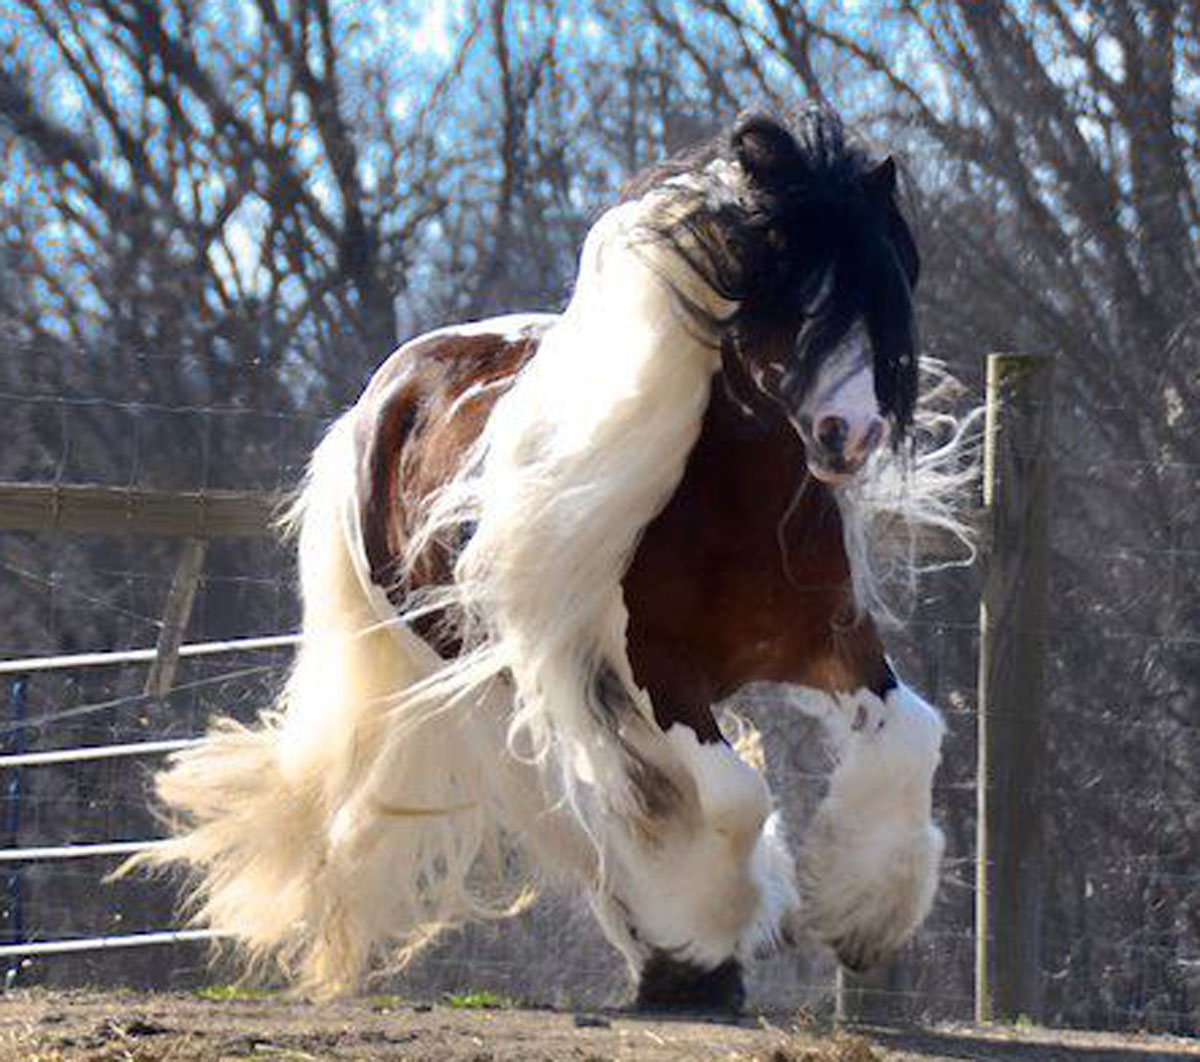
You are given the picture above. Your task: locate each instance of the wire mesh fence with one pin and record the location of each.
(1119, 899)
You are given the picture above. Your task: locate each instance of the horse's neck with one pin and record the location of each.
(748, 445)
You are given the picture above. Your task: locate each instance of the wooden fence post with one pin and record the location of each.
(1011, 692)
(175, 617)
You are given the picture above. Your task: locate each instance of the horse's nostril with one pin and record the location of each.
(873, 436)
(831, 432)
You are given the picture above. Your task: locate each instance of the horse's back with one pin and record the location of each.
(419, 414)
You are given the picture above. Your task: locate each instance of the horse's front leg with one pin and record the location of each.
(870, 863)
(700, 880)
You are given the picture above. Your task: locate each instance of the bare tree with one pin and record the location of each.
(229, 187)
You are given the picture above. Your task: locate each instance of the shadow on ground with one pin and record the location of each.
(1028, 1046)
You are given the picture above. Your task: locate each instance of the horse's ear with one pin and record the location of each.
(879, 182)
(766, 150)
(879, 186)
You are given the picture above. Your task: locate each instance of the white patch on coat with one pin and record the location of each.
(510, 327)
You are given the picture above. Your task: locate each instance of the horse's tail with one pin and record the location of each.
(353, 814)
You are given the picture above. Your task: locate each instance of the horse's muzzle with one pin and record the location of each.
(837, 448)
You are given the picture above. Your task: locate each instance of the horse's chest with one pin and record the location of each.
(740, 576)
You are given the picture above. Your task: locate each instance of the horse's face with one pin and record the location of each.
(827, 327)
(835, 409)
(829, 395)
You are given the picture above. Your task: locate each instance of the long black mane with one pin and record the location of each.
(802, 228)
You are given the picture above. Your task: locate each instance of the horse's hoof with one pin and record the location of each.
(857, 955)
(670, 984)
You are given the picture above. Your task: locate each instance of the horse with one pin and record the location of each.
(541, 547)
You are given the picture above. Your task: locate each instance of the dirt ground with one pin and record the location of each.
(43, 1026)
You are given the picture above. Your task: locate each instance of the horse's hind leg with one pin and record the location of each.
(702, 881)
(871, 858)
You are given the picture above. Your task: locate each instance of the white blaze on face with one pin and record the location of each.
(839, 418)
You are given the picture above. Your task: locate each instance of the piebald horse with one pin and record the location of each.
(536, 553)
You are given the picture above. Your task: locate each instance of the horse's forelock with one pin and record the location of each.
(829, 210)
(768, 211)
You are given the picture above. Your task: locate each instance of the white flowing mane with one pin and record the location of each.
(575, 460)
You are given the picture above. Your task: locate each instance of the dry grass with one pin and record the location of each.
(838, 1048)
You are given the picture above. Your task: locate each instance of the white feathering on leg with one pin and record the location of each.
(870, 863)
(778, 917)
(693, 888)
